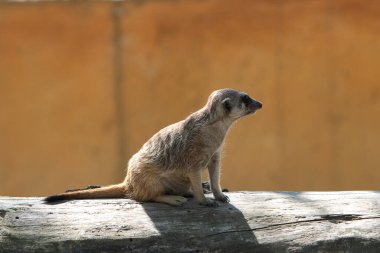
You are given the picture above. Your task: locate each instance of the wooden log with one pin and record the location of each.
(252, 222)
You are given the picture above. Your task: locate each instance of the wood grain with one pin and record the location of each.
(252, 222)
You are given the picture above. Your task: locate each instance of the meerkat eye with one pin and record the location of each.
(227, 105)
(246, 99)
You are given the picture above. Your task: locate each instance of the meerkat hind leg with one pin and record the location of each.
(173, 200)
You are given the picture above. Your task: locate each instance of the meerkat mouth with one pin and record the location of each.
(250, 112)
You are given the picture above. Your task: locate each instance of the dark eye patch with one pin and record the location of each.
(246, 99)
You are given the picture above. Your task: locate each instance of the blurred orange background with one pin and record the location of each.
(83, 84)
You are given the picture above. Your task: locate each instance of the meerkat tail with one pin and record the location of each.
(111, 191)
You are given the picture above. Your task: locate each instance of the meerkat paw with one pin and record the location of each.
(222, 198)
(173, 200)
(209, 203)
(178, 200)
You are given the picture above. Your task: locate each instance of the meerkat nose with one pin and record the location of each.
(258, 104)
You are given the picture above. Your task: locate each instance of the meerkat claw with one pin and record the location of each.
(223, 198)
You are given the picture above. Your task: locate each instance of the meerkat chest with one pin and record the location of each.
(215, 135)
(209, 142)
(213, 139)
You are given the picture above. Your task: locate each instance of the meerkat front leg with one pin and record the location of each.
(214, 174)
(196, 183)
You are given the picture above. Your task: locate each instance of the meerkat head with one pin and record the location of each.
(232, 104)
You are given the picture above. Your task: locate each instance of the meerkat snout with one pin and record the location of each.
(257, 104)
(250, 103)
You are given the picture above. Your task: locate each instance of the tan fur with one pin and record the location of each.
(169, 164)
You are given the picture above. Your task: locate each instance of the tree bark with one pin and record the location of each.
(252, 222)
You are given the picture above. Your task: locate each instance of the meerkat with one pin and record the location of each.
(169, 165)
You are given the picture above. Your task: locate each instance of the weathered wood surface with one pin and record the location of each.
(252, 222)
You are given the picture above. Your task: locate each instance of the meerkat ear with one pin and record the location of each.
(227, 105)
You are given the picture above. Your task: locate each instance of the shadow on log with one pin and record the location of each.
(252, 222)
